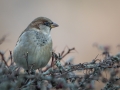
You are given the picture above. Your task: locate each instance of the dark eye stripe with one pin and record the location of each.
(47, 23)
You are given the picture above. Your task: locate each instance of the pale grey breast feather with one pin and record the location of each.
(35, 37)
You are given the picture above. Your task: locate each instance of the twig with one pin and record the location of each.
(55, 56)
(52, 62)
(3, 39)
(27, 62)
(2, 56)
(63, 51)
(11, 57)
(69, 50)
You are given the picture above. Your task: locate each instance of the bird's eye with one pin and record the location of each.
(47, 23)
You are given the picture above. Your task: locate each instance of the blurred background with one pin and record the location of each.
(81, 23)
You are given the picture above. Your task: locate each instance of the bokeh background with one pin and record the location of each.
(81, 23)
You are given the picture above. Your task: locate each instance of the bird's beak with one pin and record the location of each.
(53, 25)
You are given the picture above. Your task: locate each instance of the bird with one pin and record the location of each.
(34, 45)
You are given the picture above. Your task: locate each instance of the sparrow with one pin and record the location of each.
(35, 42)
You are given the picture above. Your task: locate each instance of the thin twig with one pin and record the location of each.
(3, 39)
(27, 62)
(3, 58)
(69, 50)
(11, 57)
(55, 56)
(63, 51)
(52, 62)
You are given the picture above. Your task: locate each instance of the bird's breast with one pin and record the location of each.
(38, 46)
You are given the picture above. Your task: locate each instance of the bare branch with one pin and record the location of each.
(3, 58)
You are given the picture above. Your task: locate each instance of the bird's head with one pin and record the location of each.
(43, 24)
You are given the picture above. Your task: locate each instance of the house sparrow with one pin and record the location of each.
(36, 42)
